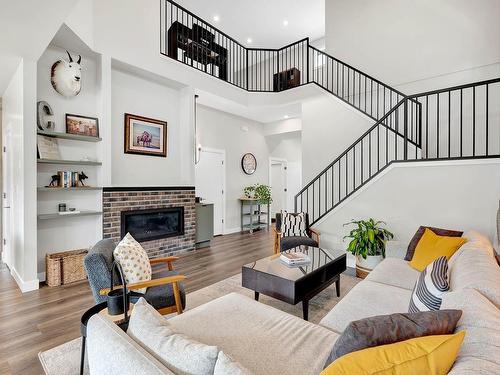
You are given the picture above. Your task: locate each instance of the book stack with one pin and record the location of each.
(295, 259)
(68, 179)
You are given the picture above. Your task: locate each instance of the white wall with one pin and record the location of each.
(76, 232)
(143, 97)
(221, 130)
(329, 126)
(18, 118)
(288, 146)
(459, 195)
(400, 42)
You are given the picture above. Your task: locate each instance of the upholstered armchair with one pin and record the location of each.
(164, 292)
(289, 242)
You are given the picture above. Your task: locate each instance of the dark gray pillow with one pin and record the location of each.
(388, 329)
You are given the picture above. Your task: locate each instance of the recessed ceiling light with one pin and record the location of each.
(249, 40)
(285, 116)
(285, 22)
(216, 18)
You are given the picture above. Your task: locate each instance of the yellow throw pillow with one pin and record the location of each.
(431, 246)
(430, 355)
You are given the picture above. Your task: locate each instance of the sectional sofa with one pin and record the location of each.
(267, 341)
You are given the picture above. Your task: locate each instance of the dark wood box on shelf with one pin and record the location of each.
(286, 79)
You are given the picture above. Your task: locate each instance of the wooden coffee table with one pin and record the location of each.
(272, 277)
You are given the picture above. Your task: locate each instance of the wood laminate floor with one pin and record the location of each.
(42, 319)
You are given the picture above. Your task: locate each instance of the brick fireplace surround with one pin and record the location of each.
(118, 199)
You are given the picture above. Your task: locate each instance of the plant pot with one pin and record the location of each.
(364, 266)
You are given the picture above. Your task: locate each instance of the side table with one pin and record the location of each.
(101, 308)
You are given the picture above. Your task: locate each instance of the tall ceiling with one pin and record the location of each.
(263, 20)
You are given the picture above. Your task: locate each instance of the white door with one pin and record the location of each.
(278, 186)
(7, 192)
(209, 181)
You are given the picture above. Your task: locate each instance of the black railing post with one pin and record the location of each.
(307, 62)
(419, 125)
(247, 68)
(405, 130)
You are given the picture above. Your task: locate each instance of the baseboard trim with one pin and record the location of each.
(41, 277)
(232, 230)
(25, 286)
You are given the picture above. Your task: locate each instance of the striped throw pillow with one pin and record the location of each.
(293, 224)
(430, 287)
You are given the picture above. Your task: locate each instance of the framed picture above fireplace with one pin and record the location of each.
(145, 136)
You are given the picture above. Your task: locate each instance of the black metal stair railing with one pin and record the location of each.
(461, 122)
(371, 153)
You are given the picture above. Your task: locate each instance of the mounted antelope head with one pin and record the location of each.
(66, 76)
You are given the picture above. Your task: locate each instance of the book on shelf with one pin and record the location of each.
(295, 258)
(68, 179)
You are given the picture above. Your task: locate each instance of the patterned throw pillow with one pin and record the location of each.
(134, 261)
(430, 287)
(293, 224)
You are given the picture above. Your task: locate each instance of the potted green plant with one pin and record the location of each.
(260, 192)
(368, 240)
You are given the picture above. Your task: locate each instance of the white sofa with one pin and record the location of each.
(268, 341)
(474, 288)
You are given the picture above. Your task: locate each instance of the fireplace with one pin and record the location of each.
(153, 224)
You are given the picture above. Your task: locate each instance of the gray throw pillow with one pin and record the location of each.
(388, 329)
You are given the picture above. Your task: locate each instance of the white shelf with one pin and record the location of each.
(72, 162)
(74, 137)
(58, 216)
(59, 189)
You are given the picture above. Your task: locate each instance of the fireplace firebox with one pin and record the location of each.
(153, 224)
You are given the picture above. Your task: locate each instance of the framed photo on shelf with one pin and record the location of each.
(47, 148)
(82, 125)
(145, 136)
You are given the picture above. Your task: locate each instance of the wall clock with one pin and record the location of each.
(248, 163)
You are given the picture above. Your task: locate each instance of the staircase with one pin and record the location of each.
(460, 122)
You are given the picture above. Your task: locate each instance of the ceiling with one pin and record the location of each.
(262, 20)
(26, 28)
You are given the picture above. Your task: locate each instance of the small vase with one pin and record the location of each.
(365, 266)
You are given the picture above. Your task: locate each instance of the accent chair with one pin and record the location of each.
(164, 292)
(289, 242)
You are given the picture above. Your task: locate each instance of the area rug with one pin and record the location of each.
(65, 359)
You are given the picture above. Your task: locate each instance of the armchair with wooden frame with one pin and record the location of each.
(164, 292)
(289, 242)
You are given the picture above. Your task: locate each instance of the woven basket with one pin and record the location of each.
(65, 267)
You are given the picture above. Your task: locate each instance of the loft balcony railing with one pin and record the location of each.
(192, 41)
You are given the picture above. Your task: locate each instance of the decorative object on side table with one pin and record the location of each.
(65, 76)
(249, 163)
(259, 192)
(367, 243)
(82, 125)
(145, 136)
